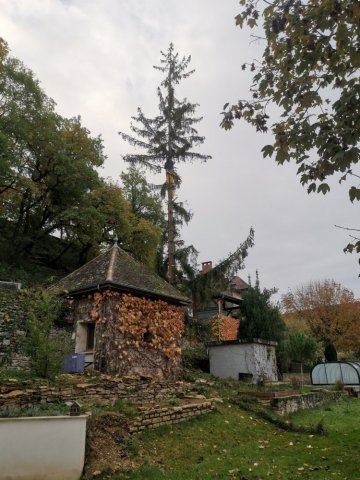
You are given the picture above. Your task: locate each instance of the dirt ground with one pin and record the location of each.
(109, 444)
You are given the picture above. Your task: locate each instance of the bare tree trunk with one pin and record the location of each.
(171, 225)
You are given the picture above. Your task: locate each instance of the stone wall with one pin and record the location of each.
(156, 417)
(133, 335)
(286, 405)
(12, 329)
(137, 392)
(13, 318)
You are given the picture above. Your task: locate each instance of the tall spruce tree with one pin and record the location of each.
(167, 139)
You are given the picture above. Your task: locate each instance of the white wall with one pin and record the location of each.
(228, 360)
(42, 448)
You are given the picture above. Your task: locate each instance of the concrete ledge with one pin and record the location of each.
(42, 448)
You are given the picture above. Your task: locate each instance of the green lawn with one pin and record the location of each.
(234, 444)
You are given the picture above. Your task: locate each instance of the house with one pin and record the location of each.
(127, 320)
(224, 324)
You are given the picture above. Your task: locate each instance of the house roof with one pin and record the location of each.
(118, 270)
(238, 284)
(233, 294)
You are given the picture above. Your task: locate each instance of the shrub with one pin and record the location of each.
(195, 359)
(45, 350)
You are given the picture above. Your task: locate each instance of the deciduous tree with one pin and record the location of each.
(48, 163)
(310, 70)
(330, 311)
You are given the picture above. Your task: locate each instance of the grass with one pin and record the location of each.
(235, 444)
(122, 407)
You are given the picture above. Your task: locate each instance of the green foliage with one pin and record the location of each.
(131, 446)
(48, 161)
(40, 410)
(204, 286)
(310, 70)
(7, 374)
(198, 331)
(195, 359)
(301, 348)
(46, 350)
(49, 181)
(258, 317)
(125, 408)
(254, 407)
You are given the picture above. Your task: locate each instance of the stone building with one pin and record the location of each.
(127, 320)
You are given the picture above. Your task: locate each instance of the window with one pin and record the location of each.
(90, 337)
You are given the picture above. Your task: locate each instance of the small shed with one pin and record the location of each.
(127, 320)
(329, 373)
(245, 359)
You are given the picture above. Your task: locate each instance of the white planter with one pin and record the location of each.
(42, 448)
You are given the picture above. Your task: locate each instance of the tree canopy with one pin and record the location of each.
(301, 348)
(259, 318)
(49, 182)
(330, 310)
(310, 70)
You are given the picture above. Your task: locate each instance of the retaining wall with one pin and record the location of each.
(12, 329)
(156, 417)
(12, 394)
(293, 403)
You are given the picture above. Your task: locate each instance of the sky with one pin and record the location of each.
(95, 59)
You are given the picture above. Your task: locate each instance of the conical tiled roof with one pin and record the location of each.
(118, 270)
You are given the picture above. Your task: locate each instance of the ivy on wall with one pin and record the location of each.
(135, 334)
(224, 328)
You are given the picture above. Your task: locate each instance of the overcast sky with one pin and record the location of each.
(95, 58)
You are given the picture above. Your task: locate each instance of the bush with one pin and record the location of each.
(45, 350)
(330, 353)
(195, 359)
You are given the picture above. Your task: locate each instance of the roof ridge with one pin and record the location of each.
(110, 270)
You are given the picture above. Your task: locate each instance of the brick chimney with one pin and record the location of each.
(206, 267)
